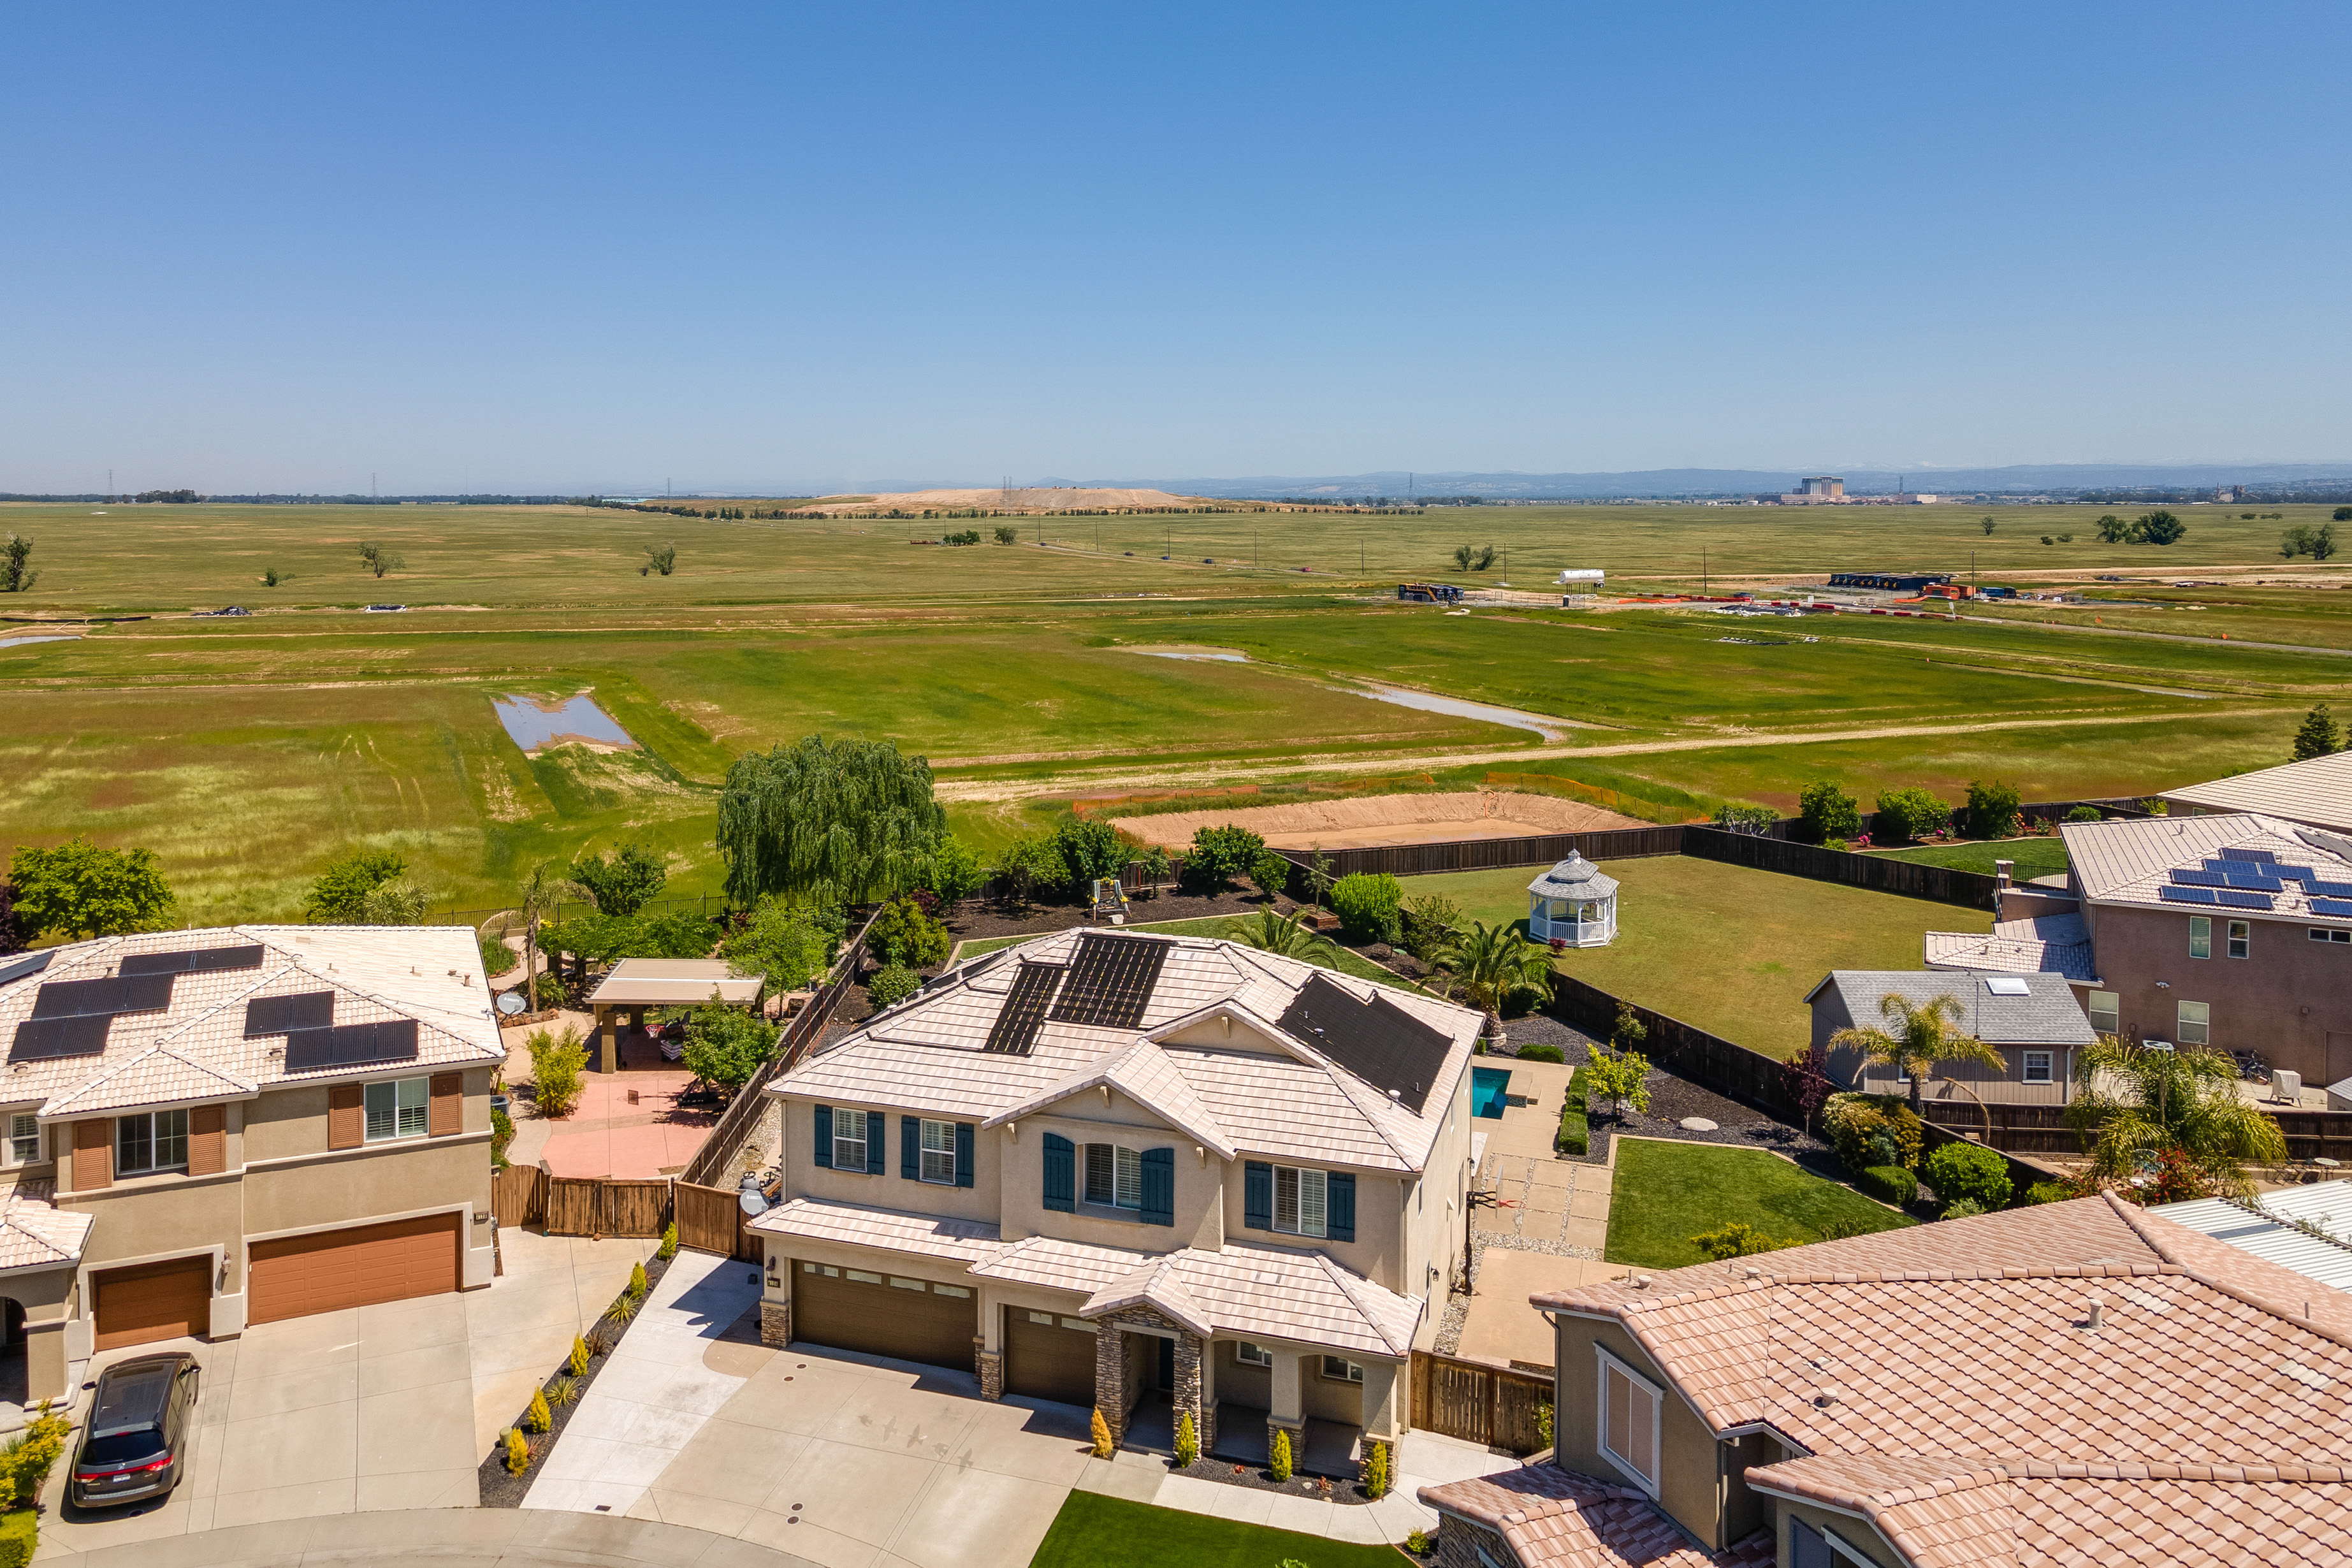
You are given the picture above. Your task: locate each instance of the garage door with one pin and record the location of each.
(154, 1301)
(358, 1266)
(1049, 1356)
(884, 1314)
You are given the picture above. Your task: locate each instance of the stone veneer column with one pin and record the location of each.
(1110, 1378)
(776, 1314)
(991, 1371)
(1187, 1391)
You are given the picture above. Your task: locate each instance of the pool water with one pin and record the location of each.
(1487, 1087)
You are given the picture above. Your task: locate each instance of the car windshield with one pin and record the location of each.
(123, 1447)
(130, 1401)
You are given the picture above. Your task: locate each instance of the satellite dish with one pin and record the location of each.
(752, 1203)
(510, 1003)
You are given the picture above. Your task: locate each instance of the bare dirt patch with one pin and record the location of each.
(1388, 819)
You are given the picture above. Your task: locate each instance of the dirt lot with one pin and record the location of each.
(1387, 819)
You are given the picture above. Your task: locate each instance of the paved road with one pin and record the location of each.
(478, 1538)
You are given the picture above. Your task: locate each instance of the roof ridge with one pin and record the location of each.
(1347, 1284)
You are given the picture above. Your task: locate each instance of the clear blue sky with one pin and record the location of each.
(570, 248)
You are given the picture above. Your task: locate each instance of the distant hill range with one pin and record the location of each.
(2022, 478)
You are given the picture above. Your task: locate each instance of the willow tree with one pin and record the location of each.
(827, 821)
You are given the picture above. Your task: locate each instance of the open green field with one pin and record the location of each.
(1730, 950)
(2034, 857)
(1665, 1193)
(246, 751)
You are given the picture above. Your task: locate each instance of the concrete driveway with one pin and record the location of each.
(375, 1408)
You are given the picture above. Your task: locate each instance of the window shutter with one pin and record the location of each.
(345, 1127)
(1061, 1174)
(207, 1140)
(93, 1155)
(1159, 1186)
(445, 1115)
(910, 1148)
(824, 1136)
(1339, 1205)
(877, 1137)
(963, 1153)
(1257, 1195)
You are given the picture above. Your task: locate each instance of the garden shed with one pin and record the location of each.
(637, 984)
(1573, 902)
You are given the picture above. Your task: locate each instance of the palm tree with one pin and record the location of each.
(1924, 1036)
(544, 888)
(1287, 936)
(2137, 1102)
(1496, 963)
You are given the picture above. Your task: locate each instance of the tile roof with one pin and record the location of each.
(2047, 1014)
(2046, 944)
(197, 1047)
(892, 1230)
(1268, 1292)
(2318, 792)
(1055, 1264)
(2127, 862)
(1552, 1518)
(1143, 1073)
(34, 1233)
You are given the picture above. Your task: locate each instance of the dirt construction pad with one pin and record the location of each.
(1387, 819)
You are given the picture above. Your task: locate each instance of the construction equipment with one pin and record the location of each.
(1428, 593)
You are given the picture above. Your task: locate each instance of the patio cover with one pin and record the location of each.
(672, 983)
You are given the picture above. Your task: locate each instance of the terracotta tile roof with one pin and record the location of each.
(1143, 1073)
(1059, 1265)
(1552, 1518)
(34, 1233)
(1268, 1292)
(2046, 944)
(891, 1230)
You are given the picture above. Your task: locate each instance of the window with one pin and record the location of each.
(1298, 1201)
(1250, 1354)
(2106, 1011)
(2241, 939)
(157, 1140)
(1113, 1176)
(1629, 1422)
(898, 1284)
(2196, 1024)
(1339, 1369)
(396, 1110)
(848, 1139)
(2037, 1066)
(2318, 936)
(2200, 936)
(955, 1290)
(24, 1138)
(862, 1277)
(939, 1152)
(827, 1269)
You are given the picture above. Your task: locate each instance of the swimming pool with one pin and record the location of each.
(1487, 1087)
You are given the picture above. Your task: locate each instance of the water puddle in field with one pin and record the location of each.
(1213, 655)
(537, 725)
(1543, 724)
(43, 636)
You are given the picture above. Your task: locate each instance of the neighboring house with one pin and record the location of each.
(2315, 793)
(213, 1128)
(2033, 1020)
(2068, 1383)
(1104, 1167)
(2307, 1230)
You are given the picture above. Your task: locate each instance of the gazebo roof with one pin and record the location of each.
(1574, 878)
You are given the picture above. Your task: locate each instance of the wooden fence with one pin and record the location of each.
(710, 1220)
(2042, 1129)
(518, 1195)
(606, 1206)
(1943, 885)
(1478, 1403)
(1485, 854)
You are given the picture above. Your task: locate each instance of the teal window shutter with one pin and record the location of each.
(963, 1153)
(824, 1136)
(1061, 1174)
(1257, 1195)
(1159, 1186)
(911, 1147)
(1339, 1205)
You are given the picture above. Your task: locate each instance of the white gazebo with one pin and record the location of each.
(1573, 903)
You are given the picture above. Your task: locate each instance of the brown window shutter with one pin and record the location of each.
(207, 1140)
(447, 1105)
(93, 1155)
(346, 1117)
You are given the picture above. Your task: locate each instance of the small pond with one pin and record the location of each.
(536, 724)
(1214, 655)
(1487, 1087)
(1429, 702)
(39, 637)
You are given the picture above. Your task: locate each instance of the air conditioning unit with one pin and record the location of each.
(2286, 1085)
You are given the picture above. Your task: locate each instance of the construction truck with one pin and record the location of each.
(1428, 593)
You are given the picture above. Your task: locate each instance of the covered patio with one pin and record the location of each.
(635, 984)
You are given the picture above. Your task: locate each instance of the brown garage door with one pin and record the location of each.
(154, 1301)
(1049, 1356)
(358, 1267)
(884, 1314)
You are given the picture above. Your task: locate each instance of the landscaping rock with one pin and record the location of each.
(1697, 1124)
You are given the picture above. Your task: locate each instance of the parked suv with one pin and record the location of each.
(138, 1430)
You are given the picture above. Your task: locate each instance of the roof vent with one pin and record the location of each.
(1641, 1282)
(1825, 1399)
(2098, 1315)
(1394, 1095)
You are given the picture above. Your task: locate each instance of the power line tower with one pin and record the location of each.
(1007, 492)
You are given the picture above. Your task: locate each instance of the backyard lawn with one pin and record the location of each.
(1730, 950)
(1666, 1193)
(2034, 857)
(1093, 1530)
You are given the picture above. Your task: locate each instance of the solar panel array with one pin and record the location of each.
(350, 1044)
(197, 960)
(16, 969)
(2319, 890)
(2258, 856)
(284, 1015)
(1014, 1033)
(2340, 908)
(83, 999)
(1378, 1041)
(1110, 981)
(2241, 898)
(41, 1039)
(2188, 895)
(2185, 877)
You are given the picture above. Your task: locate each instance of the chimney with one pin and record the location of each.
(2004, 873)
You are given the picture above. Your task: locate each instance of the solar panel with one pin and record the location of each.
(199, 961)
(2319, 890)
(1110, 981)
(351, 1045)
(2259, 884)
(2340, 908)
(1015, 1031)
(1378, 1041)
(17, 968)
(82, 998)
(2240, 899)
(2260, 857)
(284, 1015)
(2296, 873)
(2183, 878)
(82, 1034)
(2188, 895)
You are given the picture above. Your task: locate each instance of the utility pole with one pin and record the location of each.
(1702, 571)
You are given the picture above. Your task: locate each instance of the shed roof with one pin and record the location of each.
(1574, 878)
(673, 982)
(2046, 1015)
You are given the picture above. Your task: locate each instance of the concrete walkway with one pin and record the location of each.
(478, 1538)
(653, 1394)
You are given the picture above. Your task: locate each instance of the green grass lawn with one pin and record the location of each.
(1096, 1531)
(2034, 857)
(1665, 1193)
(1211, 926)
(1730, 950)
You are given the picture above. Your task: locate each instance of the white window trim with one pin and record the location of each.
(2194, 922)
(1242, 1356)
(424, 1107)
(8, 1154)
(2115, 1012)
(1600, 1418)
(2049, 1065)
(151, 1169)
(1352, 1371)
(1298, 1224)
(2319, 933)
(946, 1154)
(1119, 1191)
(864, 1139)
(2235, 933)
(2181, 1025)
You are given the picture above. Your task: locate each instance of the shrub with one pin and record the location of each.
(1091, 849)
(1428, 922)
(1911, 812)
(1376, 1471)
(1575, 1131)
(1962, 1209)
(1270, 872)
(1543, 1422)
(518, 1452)
(1007, 534)
(559, 1065)
(1992, 808)
(549, 989)
(340, 891)
(498, 958)
(1366, 903)
(1736, 1238)
(1278, 1461)
(726, 1046)
(1888, 1184)
(578, 1360)
(539, 1417)
(624, 1307)
(1100, 1430)
(1749, 819)
(669, 1247)
(955, 873)
(1869, 1130)
(2086, 814)
(904, 934)
(1034, 863)
(1969, 1171)
(2048, 1192)
(565, 1392)
(1541, 1053)
(502, 1131)
(1827, 812)
(785, 944)
(892, 985)
(1188, 1442)
(1417, 1541)
(1219, 857)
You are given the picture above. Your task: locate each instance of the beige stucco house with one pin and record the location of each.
(1160, 1176)
(212, 1129)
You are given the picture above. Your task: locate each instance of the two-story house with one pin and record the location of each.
(1100, 1167)
(208, 1130)
(2070, 1383)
